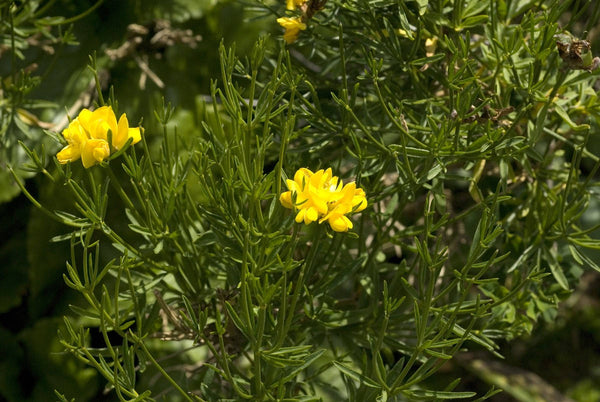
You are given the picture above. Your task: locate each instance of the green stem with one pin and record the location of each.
(366, 131)
(97, 81)
(223, 359)
(248, 140)
(117, 186)
(562, 75)
(287, 129)
(78, 16)
(152, 171)
(258, 384)
(393, 119)
(245, 297)
(42, 10)
(161, 370)
(13, 54)
(304, 269)
(41, 207)
(109, 376)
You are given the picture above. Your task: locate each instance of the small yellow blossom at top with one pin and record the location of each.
(87, 136)
(292, 4)
(321, 197)
(292, 26)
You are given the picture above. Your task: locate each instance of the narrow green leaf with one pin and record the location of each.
(423, 394)
(556, 269)
(567, 119)
(356, 375)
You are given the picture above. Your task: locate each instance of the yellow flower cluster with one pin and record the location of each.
(292, 26)
(323, 197)
(87, 136)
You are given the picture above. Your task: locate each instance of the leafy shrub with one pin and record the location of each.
(463, 127)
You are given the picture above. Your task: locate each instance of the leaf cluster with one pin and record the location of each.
(468, 136)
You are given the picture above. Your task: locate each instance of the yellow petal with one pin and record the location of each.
(119, 138)
(316, 179)
(102, 120)
(359, 201)
(346, 194)
(300, 215)
(335, 184)
(292, 26)
(286, 199)
(302, 177)
(97, 129)
(135, 133)
(84, 117)
(69, 153)
(321, 205)
(340, 223)
(289, 23)
(106, 114)
(94, 151)
(75, 134)
(291, 35)
(292, 4)
(291, 185)
(311, 215)
(301, 200)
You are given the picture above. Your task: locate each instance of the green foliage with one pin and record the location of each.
(470, 138)
(32, 285)
(24, 31)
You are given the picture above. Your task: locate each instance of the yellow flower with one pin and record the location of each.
(76, 137)
(103, 119)
(321, 197)
(87, 136)
(292, 26)
(292, 4)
